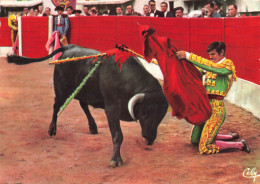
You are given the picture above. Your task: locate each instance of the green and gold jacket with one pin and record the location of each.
(219, 76)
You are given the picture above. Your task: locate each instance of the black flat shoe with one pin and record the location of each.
(234, 135)
(246, 147)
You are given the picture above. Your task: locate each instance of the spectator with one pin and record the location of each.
(232, 10)
(217, 7)
(154, 12)
(77, 13)
(35, 12)
(69, 10)
(210, 11)
(164, 7)
(130, 11)
(61, 24)
(47, 11)
(220, 74)
(13, 24)
(119, 11)
(85, 9)
(179, 11)
(107, 11)
(31, 12)
(93, 11)
(25, 12)
(40, 8)
(146, 11)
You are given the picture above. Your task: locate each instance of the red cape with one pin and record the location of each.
(182, 81)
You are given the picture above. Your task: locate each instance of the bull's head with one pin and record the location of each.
(149, 109)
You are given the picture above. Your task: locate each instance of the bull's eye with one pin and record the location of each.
(144, 114)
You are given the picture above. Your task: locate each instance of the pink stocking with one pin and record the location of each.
(226, 145)
(223, 137)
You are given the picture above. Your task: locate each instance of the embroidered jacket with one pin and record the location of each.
(219, 76)
(61, 24)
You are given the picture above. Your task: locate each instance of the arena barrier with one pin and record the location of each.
(194, 34)
(5, 33)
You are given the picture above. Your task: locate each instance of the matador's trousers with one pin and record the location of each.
(204, 134)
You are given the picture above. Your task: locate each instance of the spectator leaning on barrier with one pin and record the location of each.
(77, 13)
(61, 24)
(25, 12)
(232, 10)
(13, 24)
(119, 11)
(130, 11)
(47, 11)
(86, 12)
(40, 8)
(93, 11)
(217, 7)
(220, 74)
(31, 12)
(69, 10)
(146, 10)
(179, 11)
(165, 13)
(210, 11)
(154, 12)
(36, 12)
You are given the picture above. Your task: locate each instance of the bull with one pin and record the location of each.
(128, 93)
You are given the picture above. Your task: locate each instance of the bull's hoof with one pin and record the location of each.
(52, 131)
(115, 164)
(93, 130)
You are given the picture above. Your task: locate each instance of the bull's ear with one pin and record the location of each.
(138, 110)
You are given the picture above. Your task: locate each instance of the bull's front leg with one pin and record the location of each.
(117, 136)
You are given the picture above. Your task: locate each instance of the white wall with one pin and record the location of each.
(248, 5)
(5, 50)
(245, 94)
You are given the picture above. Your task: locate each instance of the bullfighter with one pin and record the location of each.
(13, 24)
(61, 24)
(219, 76)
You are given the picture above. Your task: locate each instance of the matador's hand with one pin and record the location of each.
(181, 54)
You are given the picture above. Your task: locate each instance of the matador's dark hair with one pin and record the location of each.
(219, 46)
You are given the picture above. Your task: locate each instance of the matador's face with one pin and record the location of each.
(215, 56)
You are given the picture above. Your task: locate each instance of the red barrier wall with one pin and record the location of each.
(204, 31)
(5, 33)
(243, 45)
(34, 36)
(127, 31)
(177, 29)
(241, 36)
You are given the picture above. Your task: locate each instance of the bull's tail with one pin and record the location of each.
(20, 60)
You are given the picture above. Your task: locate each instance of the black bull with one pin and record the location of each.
(127, 94)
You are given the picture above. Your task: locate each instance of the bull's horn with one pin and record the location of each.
(135, 99)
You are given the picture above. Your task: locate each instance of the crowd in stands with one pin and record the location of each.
(211, 9)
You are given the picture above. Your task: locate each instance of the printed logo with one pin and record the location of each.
(250, 173)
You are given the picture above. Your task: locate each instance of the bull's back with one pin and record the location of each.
(68, 76)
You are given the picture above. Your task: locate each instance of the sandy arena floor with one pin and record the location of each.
(29, 155)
